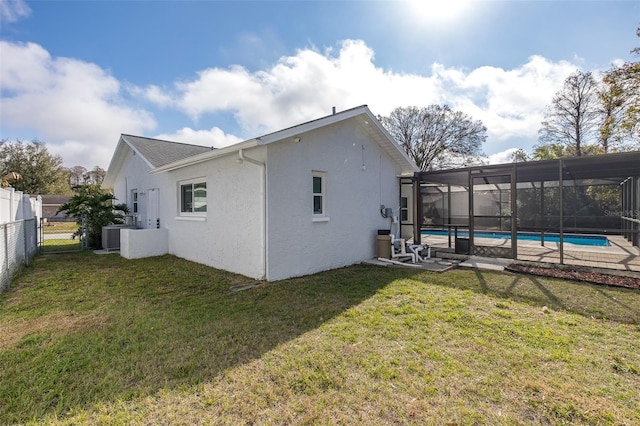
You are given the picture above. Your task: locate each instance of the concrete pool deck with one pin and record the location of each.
(621, 255)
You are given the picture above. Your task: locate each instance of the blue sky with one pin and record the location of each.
(76, 74)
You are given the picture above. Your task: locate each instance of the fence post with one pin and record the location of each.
(6, 251)
(25, 239)
(30, 235)
(36, 237)
(40, 242)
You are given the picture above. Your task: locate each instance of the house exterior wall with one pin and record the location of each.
(134, 174)
(298, 244)
(49, 212)
(230, 237)
(50, 206)
(261, 219)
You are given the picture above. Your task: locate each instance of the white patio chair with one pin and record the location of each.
(399, 252)
(418, 249)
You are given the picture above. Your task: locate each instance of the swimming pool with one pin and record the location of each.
(578, 239)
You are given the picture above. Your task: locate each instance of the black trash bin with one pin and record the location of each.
(462, 245)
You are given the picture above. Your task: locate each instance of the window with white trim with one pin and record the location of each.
(404, 209)
(319, 193)
(193, 198)
(134, 201)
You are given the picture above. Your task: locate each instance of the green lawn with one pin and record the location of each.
(60, 245)
(88, 339)
(63, 242)
(59, 227)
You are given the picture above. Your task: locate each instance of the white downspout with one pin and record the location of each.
(242, 158)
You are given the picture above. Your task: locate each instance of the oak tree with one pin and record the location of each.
(76, 175)
(436, 137)
(41, 171)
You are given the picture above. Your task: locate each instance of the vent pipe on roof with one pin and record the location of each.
(334, 110)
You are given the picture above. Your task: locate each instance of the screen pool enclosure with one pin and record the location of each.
(564, 205)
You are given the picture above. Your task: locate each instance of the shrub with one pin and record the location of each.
(95, 205)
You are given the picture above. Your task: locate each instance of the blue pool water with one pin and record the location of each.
(579, 239)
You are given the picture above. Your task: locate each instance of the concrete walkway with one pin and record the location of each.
(437, 264)
(431, 264)
(488, 263)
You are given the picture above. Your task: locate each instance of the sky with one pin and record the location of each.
(77, 74)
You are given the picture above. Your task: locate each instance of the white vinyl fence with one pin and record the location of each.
(16, 205)
(19, 218)
(18, 245)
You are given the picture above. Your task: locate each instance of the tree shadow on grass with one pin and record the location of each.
(591, 300)
(116, 329)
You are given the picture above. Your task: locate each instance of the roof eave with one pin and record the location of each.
(118, 158)
(312, 125)
(407, 166)
(371, 123)
(114, 164)
(205, 156)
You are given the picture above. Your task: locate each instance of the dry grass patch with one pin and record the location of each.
(39, 331)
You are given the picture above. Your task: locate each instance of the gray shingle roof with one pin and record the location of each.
(54, 199)
(159, 152)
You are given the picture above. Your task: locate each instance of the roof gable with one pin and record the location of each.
(54, 199)
(159, 152)
(361, 115)
(365, 120)
(153, 152)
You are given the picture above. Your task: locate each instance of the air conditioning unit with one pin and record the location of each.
(111, 236)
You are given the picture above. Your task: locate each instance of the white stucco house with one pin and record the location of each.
(294, 202)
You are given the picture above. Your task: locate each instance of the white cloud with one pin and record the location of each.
(501, 157)
(214, 137)
(306, 85)
(151, 93)
(510, 103)
(73, 106)
(13, 10)
(296, 89)
(79, 109)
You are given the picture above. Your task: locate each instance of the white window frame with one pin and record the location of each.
(191, 214)
(322, 215)
(135, 206)
(404, 209)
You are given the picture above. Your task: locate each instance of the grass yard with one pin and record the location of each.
(57, 237)
(59, 227)
(87, 339)
(60, 245)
